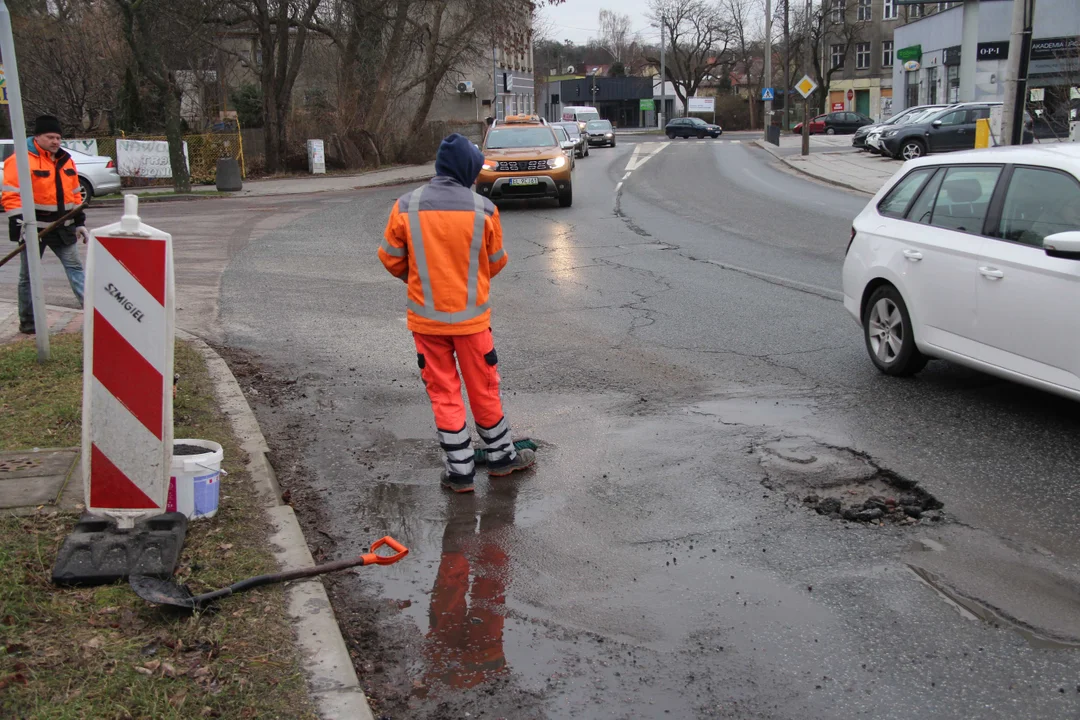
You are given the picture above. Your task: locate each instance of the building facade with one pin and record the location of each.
(940, 72)
(500, 84)
(617, 99)
(860, 49)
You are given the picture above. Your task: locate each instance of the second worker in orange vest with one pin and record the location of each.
(445, 242)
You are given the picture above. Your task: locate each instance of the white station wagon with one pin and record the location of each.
(974, 257)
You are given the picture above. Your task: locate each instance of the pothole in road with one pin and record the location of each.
(841, 483)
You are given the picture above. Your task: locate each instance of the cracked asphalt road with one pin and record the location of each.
(654, 340)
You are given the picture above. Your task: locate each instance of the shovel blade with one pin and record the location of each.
(162, 592)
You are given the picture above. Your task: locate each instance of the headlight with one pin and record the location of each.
(556, 163)
(891, 133)
(607, 135)
(488, 165)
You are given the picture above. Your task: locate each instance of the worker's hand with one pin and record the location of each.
(82, 234)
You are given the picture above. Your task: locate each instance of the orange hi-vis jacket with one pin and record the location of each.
(55, 182)
(445, 241)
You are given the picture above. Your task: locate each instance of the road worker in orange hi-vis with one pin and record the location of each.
(445, 242)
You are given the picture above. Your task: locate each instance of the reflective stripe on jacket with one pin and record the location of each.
(55, 182)
(445, 241)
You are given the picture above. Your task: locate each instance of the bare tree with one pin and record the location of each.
(616, 35)
(698, 34)
(746, 32)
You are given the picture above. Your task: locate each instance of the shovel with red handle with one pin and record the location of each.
(165, 592)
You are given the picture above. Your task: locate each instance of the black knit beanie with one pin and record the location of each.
(47, 124)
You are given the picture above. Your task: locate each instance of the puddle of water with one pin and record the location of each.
(972, 610)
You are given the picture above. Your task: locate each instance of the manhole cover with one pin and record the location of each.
(841, 483)
(18, 464)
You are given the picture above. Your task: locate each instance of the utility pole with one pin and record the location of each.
(1012, 115)
(663, 75)
(26, 188)
(767, 82)
(787, 66)
(808, 52)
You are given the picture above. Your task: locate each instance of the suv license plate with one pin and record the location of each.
(524, 181)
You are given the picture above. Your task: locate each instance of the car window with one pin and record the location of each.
(923, 208)
(520, 137)
(598, 125)
(697, 121)
(8, 151)
(956, 117)
(896, 202)
(979, 113)
(560, 133)
(1039, 202)
(964, 198)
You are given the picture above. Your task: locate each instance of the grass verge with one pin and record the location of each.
(102, 652)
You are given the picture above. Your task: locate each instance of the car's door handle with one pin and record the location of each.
(992, 273)
(913, 255)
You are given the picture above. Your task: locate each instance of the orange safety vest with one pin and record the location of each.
(445, 241)
(55, 182)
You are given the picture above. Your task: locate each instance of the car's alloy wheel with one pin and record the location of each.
(830, 131)
(888, 334)
(87, 190)
(913, 149)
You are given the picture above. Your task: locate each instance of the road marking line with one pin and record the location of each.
(734, 142)
(624, 177)
(618, 187)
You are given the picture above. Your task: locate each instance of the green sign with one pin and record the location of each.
(646, 105)
(913, 52)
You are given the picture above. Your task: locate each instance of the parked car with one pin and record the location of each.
(948, 129)
(524, 159)
(974, 258)
(581, 147)
(842, 123)
(689, 127)
(600, 132)
(901, 118)
(97, 173)
(873, 141)
(567, 145)
(817, 125)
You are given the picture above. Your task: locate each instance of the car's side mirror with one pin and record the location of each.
(1065, 245)
(936, 123)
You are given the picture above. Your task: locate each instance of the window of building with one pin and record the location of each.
(931, 85)
(889, 10)
(953, 72)
(862, 56)
(866, 10)
(887, 53)
(838, 56)
(839, 8)
(915, 11)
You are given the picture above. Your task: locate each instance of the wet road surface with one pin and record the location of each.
(676, 345)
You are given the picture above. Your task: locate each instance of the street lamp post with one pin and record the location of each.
(663, 76)
(768, 65)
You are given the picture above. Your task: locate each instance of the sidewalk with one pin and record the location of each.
(51, 479)
(307, 184)
(851, 169)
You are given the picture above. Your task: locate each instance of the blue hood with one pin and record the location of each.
(459, 160)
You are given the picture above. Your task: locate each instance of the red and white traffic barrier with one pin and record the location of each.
(128, 340)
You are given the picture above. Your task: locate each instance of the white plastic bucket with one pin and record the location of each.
(195, 484)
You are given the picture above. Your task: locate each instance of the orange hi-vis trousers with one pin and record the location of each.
(478, 361)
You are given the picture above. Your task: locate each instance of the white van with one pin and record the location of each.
(580, 114)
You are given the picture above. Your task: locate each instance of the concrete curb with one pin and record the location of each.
(803, 171)
(332, 679)
(150, 197)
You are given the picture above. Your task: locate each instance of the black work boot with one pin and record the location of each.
(522, 460)
(27, 328)
(457, 483)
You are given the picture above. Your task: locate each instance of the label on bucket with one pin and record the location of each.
(206, 489)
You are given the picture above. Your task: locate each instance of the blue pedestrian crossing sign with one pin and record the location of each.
(767, 93)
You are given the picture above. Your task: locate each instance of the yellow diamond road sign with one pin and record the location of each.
(806, 86)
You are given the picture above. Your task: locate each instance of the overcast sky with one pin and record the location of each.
(577, 19)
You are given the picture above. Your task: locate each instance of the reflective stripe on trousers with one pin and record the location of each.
(427, 310)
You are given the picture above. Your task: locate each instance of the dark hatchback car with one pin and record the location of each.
(581, 148)
(844, 123)
(600, 132)
(692, 127)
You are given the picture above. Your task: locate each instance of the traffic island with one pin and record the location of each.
(102, 652)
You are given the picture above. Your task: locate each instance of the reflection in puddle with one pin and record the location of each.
(469, 596)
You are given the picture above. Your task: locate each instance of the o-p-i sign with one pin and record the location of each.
(806, 86)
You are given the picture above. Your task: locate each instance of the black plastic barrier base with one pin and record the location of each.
(97, 552)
